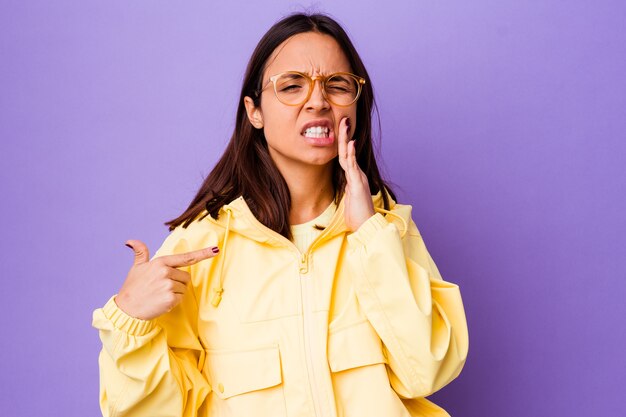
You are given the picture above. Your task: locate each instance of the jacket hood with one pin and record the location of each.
(236, 216)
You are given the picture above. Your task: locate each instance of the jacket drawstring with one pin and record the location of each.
(217, 298)
(406, 227)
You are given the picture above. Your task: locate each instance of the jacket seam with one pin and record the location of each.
(347, 326)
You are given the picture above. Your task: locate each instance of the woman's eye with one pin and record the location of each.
(291, 87)
(338, 89)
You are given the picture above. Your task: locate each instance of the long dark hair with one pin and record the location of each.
(246, 168)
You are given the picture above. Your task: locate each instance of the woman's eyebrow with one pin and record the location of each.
(325, 73)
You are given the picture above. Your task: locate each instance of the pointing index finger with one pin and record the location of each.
(189, 258)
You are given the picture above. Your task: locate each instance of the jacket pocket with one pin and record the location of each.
(359, 374)
(353, 346)
(246, 382)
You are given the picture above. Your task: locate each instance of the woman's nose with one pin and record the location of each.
(317, 98)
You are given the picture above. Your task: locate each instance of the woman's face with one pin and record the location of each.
(314, 54)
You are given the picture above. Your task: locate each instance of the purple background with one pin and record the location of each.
(503, 125)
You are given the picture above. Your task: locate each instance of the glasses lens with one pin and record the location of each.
(292, 88)
(342, 89)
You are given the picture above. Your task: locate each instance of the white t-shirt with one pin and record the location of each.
(304, 234)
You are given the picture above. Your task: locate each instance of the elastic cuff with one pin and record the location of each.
(124, 322)
(368, 229)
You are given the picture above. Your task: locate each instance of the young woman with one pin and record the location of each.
(294, 284)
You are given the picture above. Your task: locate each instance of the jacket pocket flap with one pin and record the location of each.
(354, 346)
(234, 372)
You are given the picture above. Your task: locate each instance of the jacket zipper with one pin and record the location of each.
(309, 332)
(305, 299)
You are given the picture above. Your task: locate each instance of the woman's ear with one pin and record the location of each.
(254, 113)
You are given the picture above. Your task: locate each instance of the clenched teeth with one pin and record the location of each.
(317, 132)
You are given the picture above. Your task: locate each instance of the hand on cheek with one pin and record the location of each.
(358, 201)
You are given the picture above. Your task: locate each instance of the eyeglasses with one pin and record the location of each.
(294, 88)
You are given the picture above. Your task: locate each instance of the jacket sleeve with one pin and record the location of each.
(418, 316)
(151, 367)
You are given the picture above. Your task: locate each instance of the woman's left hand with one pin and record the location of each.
(358, 201)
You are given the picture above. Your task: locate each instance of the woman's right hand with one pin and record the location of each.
(154, 287)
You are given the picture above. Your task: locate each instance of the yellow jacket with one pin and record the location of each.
(361, 325)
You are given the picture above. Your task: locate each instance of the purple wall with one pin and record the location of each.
(503, 124)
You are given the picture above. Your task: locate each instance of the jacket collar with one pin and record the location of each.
(243, 222)
(237, 217)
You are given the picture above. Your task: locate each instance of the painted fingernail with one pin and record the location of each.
(128, 245)
(215, 249)
(348, 122)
